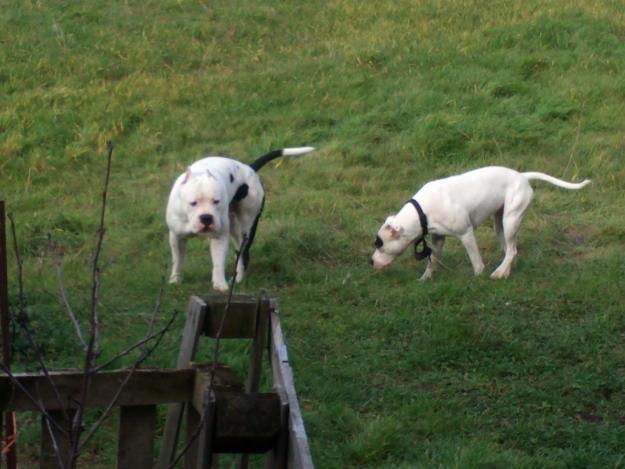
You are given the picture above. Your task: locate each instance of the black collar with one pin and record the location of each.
(425, 251)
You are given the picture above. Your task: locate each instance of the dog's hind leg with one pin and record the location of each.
(244, 231)
(498, 222)
(438, 242)
(511, 221)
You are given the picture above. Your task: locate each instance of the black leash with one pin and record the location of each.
(425, 251)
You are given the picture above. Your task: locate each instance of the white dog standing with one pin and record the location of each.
(456, 206)
(218, 197)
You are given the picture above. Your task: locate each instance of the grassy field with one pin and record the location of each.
(458, 372)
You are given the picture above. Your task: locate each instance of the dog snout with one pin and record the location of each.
(206, 219)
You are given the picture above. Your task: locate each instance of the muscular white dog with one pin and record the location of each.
(456, 206)
(218, 198)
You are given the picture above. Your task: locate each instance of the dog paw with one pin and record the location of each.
(497, 274)
(175, 279)
(426, 276)
(220, 286)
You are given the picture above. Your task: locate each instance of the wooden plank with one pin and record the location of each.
(256, 354)
(277, 456)
(192, 455)
(135, 446)
(49, 456)
(200, 439)
(192, 329)
(245, 423)
(298, 450)
(206, 434)
(241, 320)
(144, 387)
(258, 345)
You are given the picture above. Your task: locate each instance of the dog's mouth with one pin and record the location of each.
(380, 261)
(378, 266)
(382, 268)
(206, 229)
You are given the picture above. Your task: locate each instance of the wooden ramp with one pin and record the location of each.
(255, 318)
(234, 416)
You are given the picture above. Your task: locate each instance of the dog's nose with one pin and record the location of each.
(206, 219)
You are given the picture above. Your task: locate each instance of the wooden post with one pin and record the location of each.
(11, 432)
(258, 345)
(256, 358)
(205, 455)
(136, 436)
(298, 454)
(192, 329)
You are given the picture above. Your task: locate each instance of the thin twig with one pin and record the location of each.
(23, 319)
(63, 291)
(157, 305)
(31, 398)
(19, 262)
(93, 343)
(144, 356)
(55, 446)
(149, 334)
(216, 349)
(213, 369)
(159, 335)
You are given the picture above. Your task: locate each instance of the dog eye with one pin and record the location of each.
(378, 242)
(194, 203)
(215, 201)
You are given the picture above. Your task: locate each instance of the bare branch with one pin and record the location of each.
(159, 335)
(144, 356)
(31, 398)
(213, 369)
(55, 446)
(93, 346)
(63, 292)
(20, 264)
(23, 319)
(157, 305)
(209, 395)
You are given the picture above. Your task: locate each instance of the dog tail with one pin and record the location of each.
(556, 181)
(272, 155)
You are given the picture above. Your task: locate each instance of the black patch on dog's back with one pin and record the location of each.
(241, 193)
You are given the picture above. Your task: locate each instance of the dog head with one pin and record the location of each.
(390, 242)
(204, 201)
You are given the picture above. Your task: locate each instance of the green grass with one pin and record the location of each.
(458, 372)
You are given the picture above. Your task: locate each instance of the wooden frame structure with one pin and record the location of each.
(236, 417)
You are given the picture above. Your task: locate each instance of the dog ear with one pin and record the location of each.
(395, 229)
(187, 176)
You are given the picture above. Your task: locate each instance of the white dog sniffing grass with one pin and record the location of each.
(218, 198)
(456, 206)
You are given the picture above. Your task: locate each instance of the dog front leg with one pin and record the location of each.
(178, 245)
(219, 253)
(434, 260)
(470, 244)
